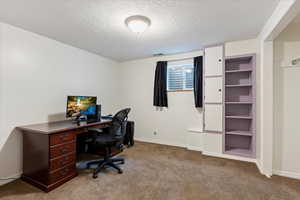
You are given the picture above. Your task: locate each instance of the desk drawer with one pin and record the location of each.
(62, 161)
(62, 173)
(102, 126)
(61, 138)
(63, 149)
(81, 130)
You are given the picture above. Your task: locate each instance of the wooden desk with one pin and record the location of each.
(49, 152)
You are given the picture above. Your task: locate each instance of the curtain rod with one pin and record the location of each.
(179, 59)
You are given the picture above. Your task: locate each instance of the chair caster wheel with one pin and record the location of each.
(95, 175)
(120, 172)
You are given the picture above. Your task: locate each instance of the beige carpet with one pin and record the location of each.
(160, 172)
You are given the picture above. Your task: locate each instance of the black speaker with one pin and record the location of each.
(98, 112)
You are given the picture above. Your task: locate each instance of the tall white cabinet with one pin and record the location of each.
(213, 89)
(213, 100)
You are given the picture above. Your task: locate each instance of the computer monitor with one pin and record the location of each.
(81, 105)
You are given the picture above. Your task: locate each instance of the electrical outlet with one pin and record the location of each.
(296, 61)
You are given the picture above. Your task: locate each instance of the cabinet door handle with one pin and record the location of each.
(220, 60)
(220, 90)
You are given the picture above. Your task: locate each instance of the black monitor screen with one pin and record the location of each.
(81, 105)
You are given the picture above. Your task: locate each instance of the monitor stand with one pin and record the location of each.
(79, 118)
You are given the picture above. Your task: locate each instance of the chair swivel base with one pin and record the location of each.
(102, 164)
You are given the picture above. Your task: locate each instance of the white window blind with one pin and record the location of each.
(180, 75)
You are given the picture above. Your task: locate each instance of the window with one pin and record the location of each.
(180, 75)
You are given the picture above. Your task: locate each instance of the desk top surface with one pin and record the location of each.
(60, 126)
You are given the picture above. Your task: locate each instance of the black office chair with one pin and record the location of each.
(109, 138)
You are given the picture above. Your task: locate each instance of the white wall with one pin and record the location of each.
(171, 124)
(286, 103)
(36, 75)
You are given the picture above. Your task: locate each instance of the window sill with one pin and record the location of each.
(180, 90)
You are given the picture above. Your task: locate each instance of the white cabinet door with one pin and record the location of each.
(213, 90)
(212, 143)
(213, 116)
(213, 65)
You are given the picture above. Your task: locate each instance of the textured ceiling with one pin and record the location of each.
(177, 25)
(297, 19)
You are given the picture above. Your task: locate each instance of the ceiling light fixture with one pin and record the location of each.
(137, 23)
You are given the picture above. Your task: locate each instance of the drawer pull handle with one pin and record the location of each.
(63, 162)
(64, 172)
(63, 137)
(64, 150)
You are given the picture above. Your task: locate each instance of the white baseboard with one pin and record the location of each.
(261, 169)
(220, 155)
(158, 142)
(194, 148)
(287, 174)
(258, 165)
(9, 178)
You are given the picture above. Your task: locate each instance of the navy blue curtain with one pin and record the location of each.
(160, 97)
(198, 81)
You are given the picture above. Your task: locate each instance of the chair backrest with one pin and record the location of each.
(118, 124)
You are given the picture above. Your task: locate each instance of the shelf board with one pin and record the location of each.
(240, 152)
(241, 85)
(242, 133)
(238, 71)
(246, 59)
(232, 102)
(238, 117)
